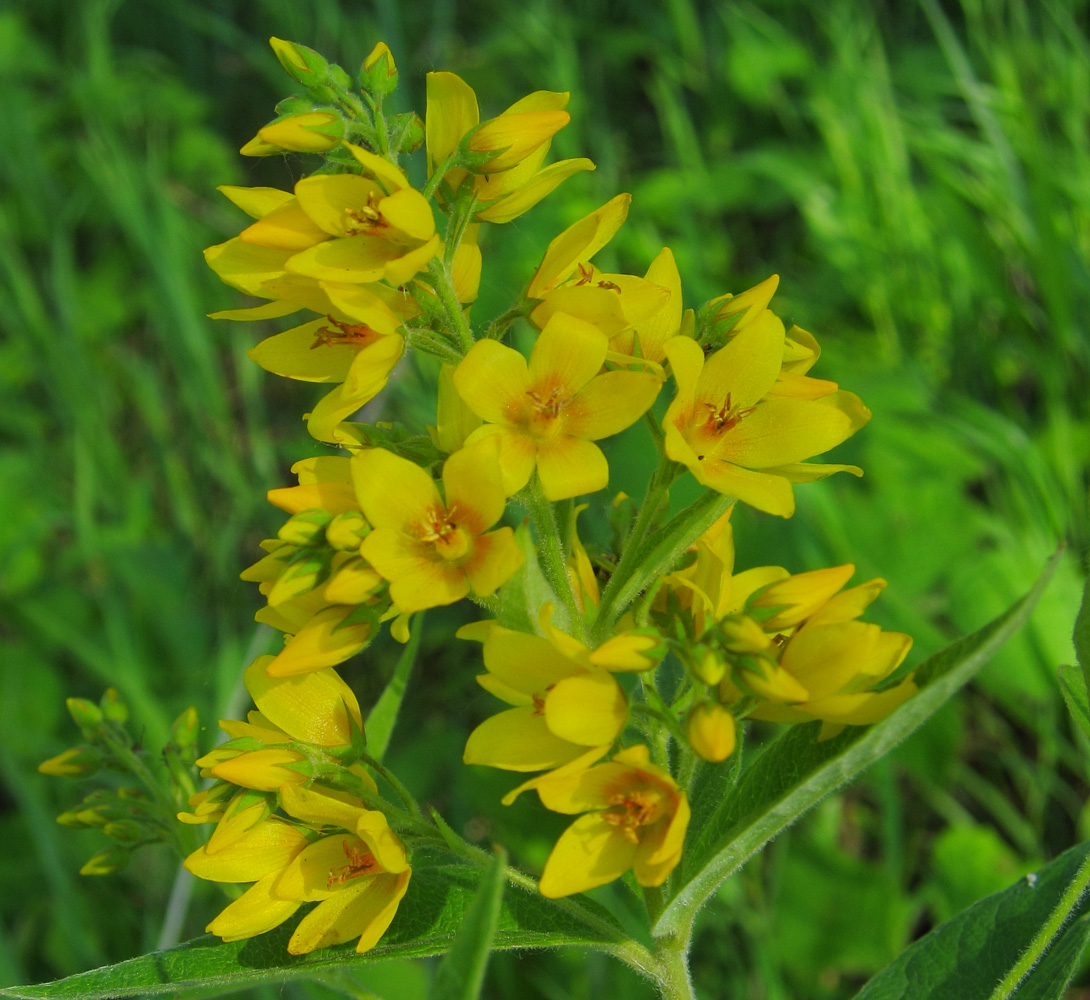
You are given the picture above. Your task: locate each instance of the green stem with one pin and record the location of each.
(1047, 934)
(498, 327)
(641, 566)
(444, 287)
(672, 969)
(437, 177)
(553, 562)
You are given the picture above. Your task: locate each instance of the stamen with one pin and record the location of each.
(359, 863)
(632, 809)
(347, 333)
(549, 406)
(364, 220)
(439, 524)
(723, 418)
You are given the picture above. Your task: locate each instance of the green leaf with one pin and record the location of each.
(460, 976)
(999, 940)
(1081, 636)
(435, 907)
(383, 717)
(1073, 688)
(796, 771)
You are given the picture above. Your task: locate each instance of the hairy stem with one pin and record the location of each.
(554, 563)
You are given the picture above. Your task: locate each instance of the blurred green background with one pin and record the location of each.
(917, 173)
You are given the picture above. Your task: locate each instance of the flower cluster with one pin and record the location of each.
(605, 654)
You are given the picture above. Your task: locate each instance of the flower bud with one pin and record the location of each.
(408, 131)
(347, 530)
(300, 63)
(127, 831)
(378, 75)
(711, 731)
(106, 862)
(744, 635)
(86, 714)
(185, 729)
(305, 528)
(113, 707)
(707, 667)
(77, 762)
(309, 132)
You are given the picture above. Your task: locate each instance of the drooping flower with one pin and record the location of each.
(435, 550)
(635, 817)
(549, 413)
(735, 439)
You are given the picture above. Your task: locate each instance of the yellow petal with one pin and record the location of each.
(528, 663)
(526, 196)
(749, 304)
(320, 810)
(245, 266)
(256, 202)
(325, 641)
(515, 136)
(394, 493)
(311, 874)
(287, 228)
(317, 707)
(518, 454)
(588, 709)
(269, 310)
(570, 466)
(429, 587)
(582, 791)
(495, 559)
(782, 431)
(353, 583)
(334, 497)
(473, 482)
(577, 244)
(351, 259)
(861, 709)
(609, 403)
(300, 353)
(568, 354)
(769, 493)
(399, 270)
(328, 200)
(518, 740)
(493, 380)
(589, 853)
(810, 472)
(451, 112)
(848, 604)
(254, 912)
(748, 366)
(364, 909)
(389, 176)
(267, 848)
(408, 210)
(801, 595)
(262, 770)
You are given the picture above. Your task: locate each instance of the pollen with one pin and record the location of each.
(365, 220)
(632, 809)
(548, 407)
(439, 528)
(359, 335)
(723, 418)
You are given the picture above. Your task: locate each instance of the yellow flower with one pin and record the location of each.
(734, 439)
(577, 244)
(513, 181)
(636, 817)
(434, 551)
(549, 412)
(564, 705)
(358, 877)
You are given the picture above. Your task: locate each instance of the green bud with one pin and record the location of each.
(127, 831)
(106, 862)
(86, 714)
(408, 132)
(339, 77)
(706, 666)
(78, 762)
(113, 707)
(347, 530)
(294, 105)
(185, 729)
(301, 63)
(305, 528)
(301, 576)
(378, 75)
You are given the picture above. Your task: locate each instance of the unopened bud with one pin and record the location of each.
(305, 528)
(300, 63)
(409, 132)
(127, 831)
(106, 862)
(711, 731)
(86, 714)
(707, 667)
(744, 635)
(75, 763)
(308, 132)
(113, 707)
(347, 530)
(379, 73)
(185, 729)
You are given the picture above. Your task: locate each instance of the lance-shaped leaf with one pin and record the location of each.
(460, 975)
(427, 923)
(383, 717)
(1019, 943)
(796, 771)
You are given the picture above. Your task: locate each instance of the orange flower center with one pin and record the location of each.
(366, 220)
(359, 335)
(631, 809)
(723, 418)
(441, 530)
(547, 406)
(359, 863)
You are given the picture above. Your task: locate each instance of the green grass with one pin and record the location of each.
(917, 175)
